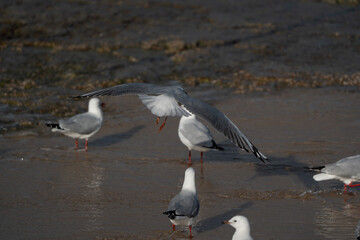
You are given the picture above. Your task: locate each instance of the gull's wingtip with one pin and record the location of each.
(259, 155)
(266, 160)
(78, 97)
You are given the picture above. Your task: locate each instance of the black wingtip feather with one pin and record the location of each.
(53, 125)
(76, 97)
(217, 147)
(317, 168)
(170, 214)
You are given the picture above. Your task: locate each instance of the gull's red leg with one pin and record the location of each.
(189, 157)
(190, 231)
(173, 227)
(76, 144)
(162, 125)
(157, 120)
(86, 145)
(201, 154)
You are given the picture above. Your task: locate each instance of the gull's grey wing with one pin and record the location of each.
(127, 89)
(347, 167)
(220, 122)
(347, 160)
(185, 204)
(158, 99)
(197, 133)
(84, 123)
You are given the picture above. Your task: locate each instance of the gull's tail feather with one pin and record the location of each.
(323, 176)
(317, 168)
(53, 125)
(171, 214)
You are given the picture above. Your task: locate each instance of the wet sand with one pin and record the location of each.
(121, 186)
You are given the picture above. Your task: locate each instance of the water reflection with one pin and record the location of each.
(82, 183)
(336, 220)
(93, 194)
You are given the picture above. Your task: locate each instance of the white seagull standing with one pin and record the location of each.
(196, 136)
(174, 101)
(346, 170)
(184, 207)
(81, 126)
(242, 226)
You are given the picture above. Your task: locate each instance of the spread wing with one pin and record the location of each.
(220, 122)
(158, 99)
(126, 89)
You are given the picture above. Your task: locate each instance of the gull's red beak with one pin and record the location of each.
(102, 105)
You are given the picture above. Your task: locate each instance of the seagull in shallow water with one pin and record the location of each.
(346, 170)
(184, 207)
(81, 126)
(196, 136)
(174, 101)
(242, 226)
(357, 231)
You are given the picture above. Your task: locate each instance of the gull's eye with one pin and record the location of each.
(235, 221)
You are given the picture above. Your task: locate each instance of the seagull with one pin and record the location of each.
(164, 101)
(184, 207)
(357, 231)
(242, 226)
(346, 170)
(196, 136)
(81, 126)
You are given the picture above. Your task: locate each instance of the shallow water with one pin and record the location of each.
(121, 186)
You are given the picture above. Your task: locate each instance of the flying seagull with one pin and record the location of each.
(242, 226)
(346, 170)
(196, 136)
(184, 207)
(81, 126)
(164, 101)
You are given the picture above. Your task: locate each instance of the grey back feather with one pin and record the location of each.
(185, 203)
(84, 123)
(347, 167)
(197, 133)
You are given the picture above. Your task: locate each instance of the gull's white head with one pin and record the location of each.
(94, 106)
(242, 226)
(238, 222)
(189, 180)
